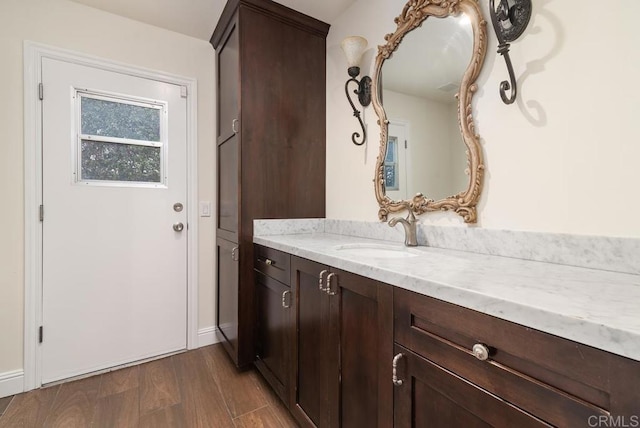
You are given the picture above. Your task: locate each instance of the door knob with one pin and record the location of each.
(178, 227)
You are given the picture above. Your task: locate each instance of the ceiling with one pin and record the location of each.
(198, 18)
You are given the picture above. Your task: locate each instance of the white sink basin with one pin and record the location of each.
(380, 251)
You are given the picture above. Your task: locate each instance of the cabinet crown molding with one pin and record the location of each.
(268, 7)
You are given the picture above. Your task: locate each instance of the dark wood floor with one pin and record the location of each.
(199, 388)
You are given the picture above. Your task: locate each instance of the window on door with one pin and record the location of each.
(391, 165)
(120, 141)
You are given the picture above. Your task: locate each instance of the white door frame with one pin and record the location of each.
(33, 54)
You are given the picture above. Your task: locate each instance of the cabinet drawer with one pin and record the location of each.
(273, 263)
(431, 396)
(559, 381)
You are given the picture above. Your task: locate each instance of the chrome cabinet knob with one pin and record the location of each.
(480, 351)
(178, 227)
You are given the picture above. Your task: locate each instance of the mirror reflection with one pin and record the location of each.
(425, 149)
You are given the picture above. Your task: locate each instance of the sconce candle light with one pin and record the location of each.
(353, 48)
(509, 22)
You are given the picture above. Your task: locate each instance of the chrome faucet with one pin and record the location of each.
(409, 225)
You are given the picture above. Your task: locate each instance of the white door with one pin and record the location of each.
(114, 269)
(397, 165)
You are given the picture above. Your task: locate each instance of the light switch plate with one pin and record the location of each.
(205, 209)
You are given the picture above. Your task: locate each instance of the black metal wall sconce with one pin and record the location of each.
(509, 22)
(353, 47)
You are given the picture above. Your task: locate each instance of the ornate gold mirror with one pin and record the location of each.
(430, 156)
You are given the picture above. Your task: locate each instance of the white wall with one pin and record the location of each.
(563, 158)
(458, 152)
(68, 25)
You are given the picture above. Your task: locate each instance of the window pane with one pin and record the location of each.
(392, 149)
(120, 162)
(114, 119)
(390, 177)
(390, 164)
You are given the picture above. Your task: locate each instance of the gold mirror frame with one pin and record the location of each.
(413, 15)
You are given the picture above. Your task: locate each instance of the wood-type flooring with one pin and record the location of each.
(199, 388)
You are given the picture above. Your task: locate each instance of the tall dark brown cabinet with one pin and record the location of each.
(270, 63)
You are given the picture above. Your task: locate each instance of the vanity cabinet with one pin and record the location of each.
(342, 350)
(270, 71)
(342, 346)
(459, 367)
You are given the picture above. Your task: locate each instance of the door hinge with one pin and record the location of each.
(183, 91)
(40, 91)
(405, 144)
(40, 334)
(41, 212)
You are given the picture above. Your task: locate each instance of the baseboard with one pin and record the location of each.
(11, 383)
(207, 336)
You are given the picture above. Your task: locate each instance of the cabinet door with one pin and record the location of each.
(309, 401)
(228, 141)
(361, 342)
(227, 299)
(228, 188)
(431, 396)
(273, 332)
(228, 84)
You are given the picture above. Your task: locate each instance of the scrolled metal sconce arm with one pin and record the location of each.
(364, 96)
(509, 22)
(503, 49)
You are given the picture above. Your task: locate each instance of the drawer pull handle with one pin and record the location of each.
(480, 351)
(328, 289)
(394, 365)
(321, 280)
(286, 303)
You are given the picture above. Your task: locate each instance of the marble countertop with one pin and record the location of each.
(595, 307)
